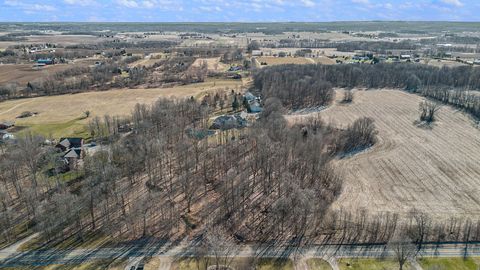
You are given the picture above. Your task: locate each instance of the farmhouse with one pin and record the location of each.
(66, 144)
(73, 156)
(73, 148)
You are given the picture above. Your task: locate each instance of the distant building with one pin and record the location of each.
(257, 53)
(46, 61)
(253, 103)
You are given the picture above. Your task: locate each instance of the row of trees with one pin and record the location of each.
(447, 85)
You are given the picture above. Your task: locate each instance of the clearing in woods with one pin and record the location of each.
(63, 115)
(434, 169)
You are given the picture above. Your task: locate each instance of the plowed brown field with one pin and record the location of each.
(434, 169)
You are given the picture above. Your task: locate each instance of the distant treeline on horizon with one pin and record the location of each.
(230, 27)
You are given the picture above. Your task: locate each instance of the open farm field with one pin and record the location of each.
(63, 115)
(434, 169)
(445, 63)
(63, 39)
(24, 73)
(272, 61)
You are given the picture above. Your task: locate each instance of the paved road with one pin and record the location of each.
(164, 250)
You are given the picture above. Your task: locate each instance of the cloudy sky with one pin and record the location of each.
(237, 10)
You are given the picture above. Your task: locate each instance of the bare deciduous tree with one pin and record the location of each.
(402, 247)
(427, 110)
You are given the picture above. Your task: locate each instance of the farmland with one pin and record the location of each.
(22, 74)
(433, 169)
(63, 115)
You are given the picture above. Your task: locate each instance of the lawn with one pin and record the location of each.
(449, 263)
(72, 128)
(272, 264)
(318, 264)
(370, 264)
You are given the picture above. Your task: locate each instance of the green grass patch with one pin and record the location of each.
(318, 264)
(67, 177)
(271, 264)
(203, 263)
(449, 263)
(72, 128)
(370, 264)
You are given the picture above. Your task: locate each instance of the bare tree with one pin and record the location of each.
(428, 110)
(347, 96)
(221, 245)
(402, 247)
(420, 227)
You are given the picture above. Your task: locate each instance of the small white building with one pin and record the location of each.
(256, 53)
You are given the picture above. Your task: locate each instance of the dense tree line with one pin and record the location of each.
(347, 46)
(267, 28)
(295, 87)
(447, 85)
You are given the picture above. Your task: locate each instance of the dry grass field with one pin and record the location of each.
(435, 169)
(24, 73)
(445, 63)
(62, 115)
(324, 60)
(272, 61)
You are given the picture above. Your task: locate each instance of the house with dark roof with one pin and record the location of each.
(73, 149)
(69, 143)
(73, 156)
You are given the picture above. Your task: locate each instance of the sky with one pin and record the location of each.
(237, 10)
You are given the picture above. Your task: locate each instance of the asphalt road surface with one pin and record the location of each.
(10, 257)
